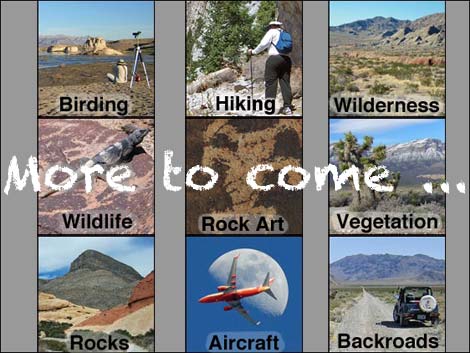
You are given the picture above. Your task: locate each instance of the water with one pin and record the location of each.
(54, 60)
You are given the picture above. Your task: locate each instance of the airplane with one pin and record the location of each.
(230, 294)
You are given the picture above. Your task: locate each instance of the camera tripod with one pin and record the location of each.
(138, 57)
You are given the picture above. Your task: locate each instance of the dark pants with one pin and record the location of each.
(278, 67)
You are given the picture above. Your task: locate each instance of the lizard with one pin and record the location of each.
(115, 154)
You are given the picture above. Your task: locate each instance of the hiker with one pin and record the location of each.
(120, 72)
(278, 64)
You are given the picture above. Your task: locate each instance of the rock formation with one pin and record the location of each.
(51, 308)
(290, 14)
(136, 317)
(95, 280)
(97, 46)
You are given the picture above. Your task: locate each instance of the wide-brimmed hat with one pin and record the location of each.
(275, 23)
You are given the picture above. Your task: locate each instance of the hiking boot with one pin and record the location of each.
(286, 111)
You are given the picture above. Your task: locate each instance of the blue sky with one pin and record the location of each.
(57, 253)
(388, 131)
(349, 11)
(109, 19)
(203, 319)
(341, 247)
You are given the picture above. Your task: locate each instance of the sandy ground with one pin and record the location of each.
(370, 315)
(90, 81)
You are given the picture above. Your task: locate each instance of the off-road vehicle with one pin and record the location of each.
(416, 304)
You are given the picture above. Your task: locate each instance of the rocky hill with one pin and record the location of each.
(388, 33)
(386, 268)
(94, 280)
(415, 160)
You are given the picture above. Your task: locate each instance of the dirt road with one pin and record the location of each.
(370, 315)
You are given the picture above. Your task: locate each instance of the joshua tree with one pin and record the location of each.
(349, 152)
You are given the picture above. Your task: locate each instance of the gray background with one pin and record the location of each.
(18, 137)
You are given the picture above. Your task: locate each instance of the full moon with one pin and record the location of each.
(252, 267)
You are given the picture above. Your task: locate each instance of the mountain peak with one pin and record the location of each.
(94, 260)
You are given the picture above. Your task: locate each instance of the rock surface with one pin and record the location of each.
(136, 317)
(232, 147)
(66, 142)
(51, 308)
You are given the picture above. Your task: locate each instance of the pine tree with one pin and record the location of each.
(266, 13)
(227, 31)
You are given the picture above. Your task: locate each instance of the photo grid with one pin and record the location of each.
(243, 109)
(387, 252)
(96, 148)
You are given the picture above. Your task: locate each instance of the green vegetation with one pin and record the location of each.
(379, 89)
(363, 156)
(228, 31)
(54, 329)
(52, 346)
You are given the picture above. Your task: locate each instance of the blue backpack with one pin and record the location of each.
(284, 44)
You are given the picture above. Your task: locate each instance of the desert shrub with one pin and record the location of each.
(344, 70)
(146, 341)
(411, 87)
(340, 199)
(53, 346)
(53, 329)
(379, 89)
(123, 333)
(398, 70)
(351, 87)
(335, 87)
(438, 93)
(363, 74)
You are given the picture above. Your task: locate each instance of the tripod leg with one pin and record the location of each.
(145, 69)
(134, 68)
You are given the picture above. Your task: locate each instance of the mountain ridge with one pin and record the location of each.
(386, 268)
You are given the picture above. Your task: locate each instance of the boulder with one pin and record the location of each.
(97, 46)
(56, 48)
(290, 14)
(71, 50)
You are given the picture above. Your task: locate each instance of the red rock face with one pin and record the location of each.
(142, 295)
(144, 289)
(67, 142)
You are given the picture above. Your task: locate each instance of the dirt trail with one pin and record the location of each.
(370, 315)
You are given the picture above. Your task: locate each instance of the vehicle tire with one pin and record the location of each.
(403, 322)
(435, 322)
(396, 317)
(427, 303)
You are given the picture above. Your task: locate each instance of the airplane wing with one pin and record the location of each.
(232, 276)
(237, 305)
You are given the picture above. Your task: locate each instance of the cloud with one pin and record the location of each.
(58, 253)
(373, 125)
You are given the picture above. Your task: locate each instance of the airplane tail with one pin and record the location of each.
(267, 283)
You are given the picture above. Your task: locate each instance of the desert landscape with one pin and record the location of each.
(411, 164)
(362, 296)
(97, 297)
(388, 59)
